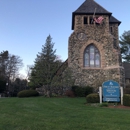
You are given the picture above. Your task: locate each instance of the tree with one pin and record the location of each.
(3, 62)
(125, 46)
(45, 65)
(9, 67)
(63, 79)
(14, 63)
(2, 85)
(28, 71)
(18, 85)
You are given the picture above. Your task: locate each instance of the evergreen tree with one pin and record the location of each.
(125, 46)
(45, 65)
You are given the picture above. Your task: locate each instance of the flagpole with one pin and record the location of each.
(93, 15)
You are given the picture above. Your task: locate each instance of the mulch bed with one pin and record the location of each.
(119, 106)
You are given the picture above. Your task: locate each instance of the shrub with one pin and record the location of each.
(73, 88)
(88, 90)
(2, 86)
(69, 93)
(104, 104)
(127, 85)
(126, 100)
(80, 92)
(126, 90)
(54, 95)
(28, 93)
(93, 98)
(83, 91)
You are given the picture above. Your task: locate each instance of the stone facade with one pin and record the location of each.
(105, 38)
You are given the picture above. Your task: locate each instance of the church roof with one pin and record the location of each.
(114, 20)
(89, 6)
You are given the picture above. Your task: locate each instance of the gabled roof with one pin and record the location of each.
(126, 66)
(89, 6)
(114, 20)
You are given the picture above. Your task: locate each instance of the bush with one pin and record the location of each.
(82, 91)
(88, 90)
(126, 90)
(2, 86)
(73, 88)
(127, 85)
(104, 104)
(69, 93)
(93, 98)
(126, 100)
(28, 93)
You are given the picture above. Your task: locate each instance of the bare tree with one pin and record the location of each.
(13, 65)
(28, 71)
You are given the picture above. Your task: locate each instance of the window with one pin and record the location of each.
(85, 20)
(111, 29)
(91, 21)
(91, 57)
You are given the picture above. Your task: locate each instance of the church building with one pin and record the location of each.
(93, 47)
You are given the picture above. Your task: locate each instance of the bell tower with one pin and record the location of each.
(93, 48)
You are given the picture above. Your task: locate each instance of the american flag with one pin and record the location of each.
(99, 19)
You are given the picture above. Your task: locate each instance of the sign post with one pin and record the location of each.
(111, 91)
(100, 94)
(121, 95)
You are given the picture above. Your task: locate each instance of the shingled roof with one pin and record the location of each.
(88, 7)
(114, 20)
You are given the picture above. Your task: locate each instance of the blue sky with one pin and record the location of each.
(25, 24)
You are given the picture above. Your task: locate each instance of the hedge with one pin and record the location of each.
(93, 98)
(126, 100)
(82, 91)
(28, 93)
(126, 90)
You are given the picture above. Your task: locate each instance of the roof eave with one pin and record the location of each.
(89, 13)
(116, 22)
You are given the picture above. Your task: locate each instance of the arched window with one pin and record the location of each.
(91, 56)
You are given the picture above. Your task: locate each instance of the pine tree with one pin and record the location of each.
(45, 65)
(125, 46)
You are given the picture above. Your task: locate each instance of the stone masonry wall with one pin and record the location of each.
(100, 36)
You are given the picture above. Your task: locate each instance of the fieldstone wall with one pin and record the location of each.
(54, 91)
(100, 36)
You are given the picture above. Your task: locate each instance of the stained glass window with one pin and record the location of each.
(91, 56)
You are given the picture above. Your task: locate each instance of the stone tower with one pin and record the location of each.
(93, 48)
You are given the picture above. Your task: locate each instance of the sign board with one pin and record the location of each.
(111, 91)
(106, 99)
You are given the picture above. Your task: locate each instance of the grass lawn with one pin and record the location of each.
(59, 114)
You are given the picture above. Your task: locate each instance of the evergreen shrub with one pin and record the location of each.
(127, 85)
(2, 85)
(93, 98)
(73, 88)
(126, 90)
(104, 104)
(69, 93)
(27, 93)
(82, 91)
(126, 100)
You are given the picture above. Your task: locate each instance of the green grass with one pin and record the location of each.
(59, 114)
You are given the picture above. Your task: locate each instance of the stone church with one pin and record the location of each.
(93, 47)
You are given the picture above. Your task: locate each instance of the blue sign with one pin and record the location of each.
(111, 91)
(106, 99)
